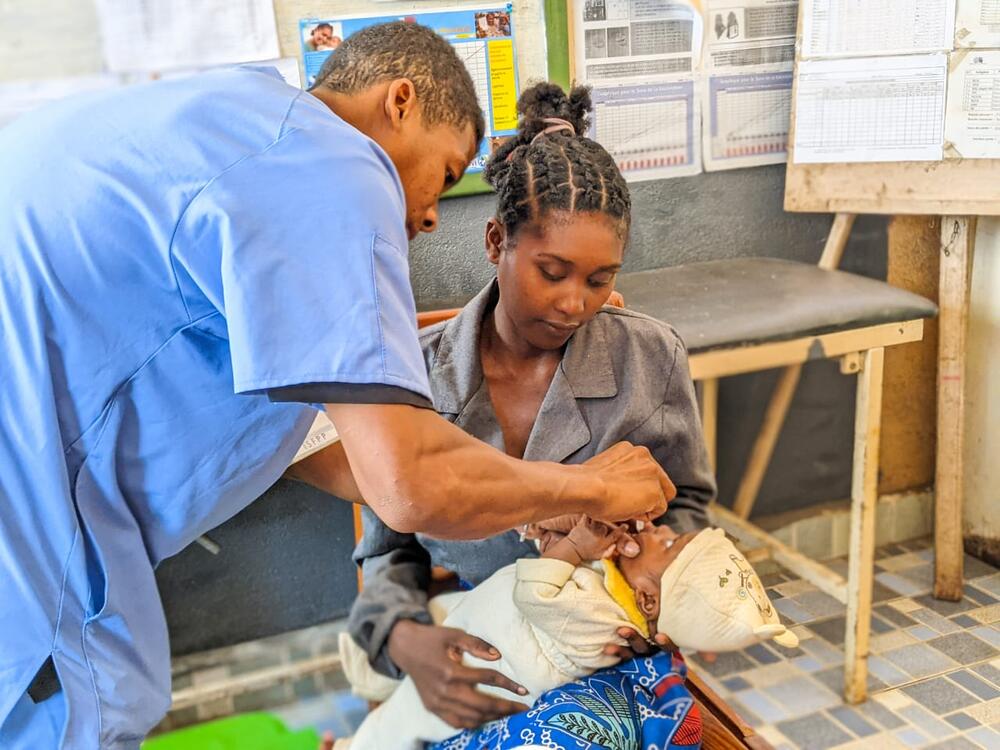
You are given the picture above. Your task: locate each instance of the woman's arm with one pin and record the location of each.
(418, 472)
(397, 573)
(391, 621)
(674, 437)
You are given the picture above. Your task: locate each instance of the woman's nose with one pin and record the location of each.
(571, 303)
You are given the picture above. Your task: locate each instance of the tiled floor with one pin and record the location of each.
(934, 672)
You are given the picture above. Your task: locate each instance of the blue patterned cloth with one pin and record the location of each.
(641, 704)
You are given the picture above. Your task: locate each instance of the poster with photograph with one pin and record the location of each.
(484, 38)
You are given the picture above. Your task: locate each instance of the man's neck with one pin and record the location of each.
(357, 110)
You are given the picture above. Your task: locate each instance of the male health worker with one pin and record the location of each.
(188, 269)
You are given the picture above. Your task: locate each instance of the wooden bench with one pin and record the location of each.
(752, 314)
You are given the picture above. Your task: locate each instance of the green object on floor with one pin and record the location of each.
(244, 732)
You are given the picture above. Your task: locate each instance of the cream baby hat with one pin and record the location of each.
(712, 600)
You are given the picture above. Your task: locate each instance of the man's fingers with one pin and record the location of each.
(669, 490)
(477, 647)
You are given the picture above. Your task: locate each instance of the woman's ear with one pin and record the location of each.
(496, 237)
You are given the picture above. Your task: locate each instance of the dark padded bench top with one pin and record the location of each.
(743, 301)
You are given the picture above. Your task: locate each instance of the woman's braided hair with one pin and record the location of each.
(559, 170)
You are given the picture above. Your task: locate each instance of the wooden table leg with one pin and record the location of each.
(767, 438)
(710, 418)
(864, 499)
(781, 399)
(958, 236)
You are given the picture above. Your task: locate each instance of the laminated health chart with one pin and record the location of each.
(748, 118)
(483, 37)
(652, 127)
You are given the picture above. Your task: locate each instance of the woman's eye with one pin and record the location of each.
(549, 276)
(599, 281)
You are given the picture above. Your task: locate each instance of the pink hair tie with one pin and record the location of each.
(555, 125)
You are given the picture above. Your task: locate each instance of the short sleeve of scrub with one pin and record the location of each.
(314, 277)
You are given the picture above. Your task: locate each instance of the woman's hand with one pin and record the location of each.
(432, 657)
(637, 645)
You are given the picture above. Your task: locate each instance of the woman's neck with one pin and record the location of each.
(499, 338)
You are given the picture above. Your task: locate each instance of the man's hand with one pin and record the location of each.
(632, 480)
(432, 657)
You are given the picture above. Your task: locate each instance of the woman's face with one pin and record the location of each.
(554, 279)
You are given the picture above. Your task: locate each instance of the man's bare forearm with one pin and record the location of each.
(420, 473)
(328, 470)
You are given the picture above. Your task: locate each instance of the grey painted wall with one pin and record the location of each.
(285, 560)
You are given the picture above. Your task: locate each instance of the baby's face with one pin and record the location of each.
(659, 546)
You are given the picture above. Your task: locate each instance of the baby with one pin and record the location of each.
(569, 604)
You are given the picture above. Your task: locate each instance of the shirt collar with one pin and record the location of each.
(458, 371)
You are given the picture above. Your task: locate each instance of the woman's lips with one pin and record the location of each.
(562, 327)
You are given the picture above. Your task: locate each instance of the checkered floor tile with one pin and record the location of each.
(934, 669)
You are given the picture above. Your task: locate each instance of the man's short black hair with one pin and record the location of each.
(319, 26)
(399, 49)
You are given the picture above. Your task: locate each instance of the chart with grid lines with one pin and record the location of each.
(644, 134)
(750, 122)
(473, 54)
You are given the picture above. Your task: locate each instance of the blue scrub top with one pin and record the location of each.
(169, 253)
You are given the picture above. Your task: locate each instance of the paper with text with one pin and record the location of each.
(870, 109)
(747, 92)
(977, 23)
(972, 117)
(640, 57)
(832, 28)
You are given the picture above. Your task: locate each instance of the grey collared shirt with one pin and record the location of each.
(624, 376)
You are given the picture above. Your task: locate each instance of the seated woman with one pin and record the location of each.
(537, 366)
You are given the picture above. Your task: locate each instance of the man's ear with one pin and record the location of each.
(496, 239)
(401, 102)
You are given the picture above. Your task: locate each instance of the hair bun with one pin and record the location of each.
(549, 100)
